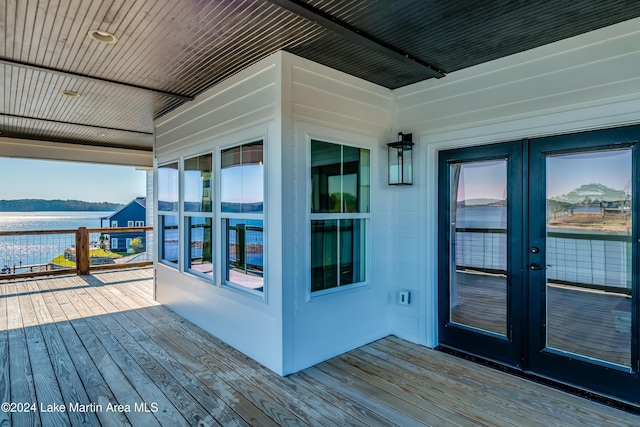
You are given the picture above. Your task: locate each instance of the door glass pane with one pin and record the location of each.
(588, 254)
(478, 277)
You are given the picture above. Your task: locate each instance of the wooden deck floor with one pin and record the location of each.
(92, 343)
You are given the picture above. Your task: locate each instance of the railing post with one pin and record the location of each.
(82, 251)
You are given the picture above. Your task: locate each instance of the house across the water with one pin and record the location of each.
(131, 215)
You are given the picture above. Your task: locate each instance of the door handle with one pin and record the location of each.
(536, 267)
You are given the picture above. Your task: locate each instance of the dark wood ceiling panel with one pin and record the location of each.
(183, 47)
(347, 56)
(458, 34)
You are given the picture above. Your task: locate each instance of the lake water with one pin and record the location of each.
(10, 221)
(40, 249)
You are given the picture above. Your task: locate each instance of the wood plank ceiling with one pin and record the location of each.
(169, 51)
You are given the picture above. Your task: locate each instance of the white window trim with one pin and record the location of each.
(114, 224)
(114, 243)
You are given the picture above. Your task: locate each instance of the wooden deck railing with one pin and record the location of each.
(74, 246)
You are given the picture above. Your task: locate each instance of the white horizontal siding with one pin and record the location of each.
(242, 108)
(323, 96)
(244, 100)
(570, 74)
(321, 103)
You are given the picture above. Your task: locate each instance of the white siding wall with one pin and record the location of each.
(325, 104)
(590, 81)
(587, 82)
(241, 109)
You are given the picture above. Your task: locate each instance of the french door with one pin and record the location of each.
(538, 247)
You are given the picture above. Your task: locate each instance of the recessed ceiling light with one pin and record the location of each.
(70, 93)
(102, 36)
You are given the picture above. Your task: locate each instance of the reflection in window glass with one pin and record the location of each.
(244, 253)
(589, 255)
(340, 195)
(199, 233)
(339, 178)
(324, 254)
(242, 179)
(326, 171)
(197, 184)
(169, 239)
(168, 187)
(478, 246)
(337, 253)
(352, 247)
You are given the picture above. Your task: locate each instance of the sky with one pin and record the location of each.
(239, 184)
(483, 180)
(568, 172)
(565, 173)
(45, 179)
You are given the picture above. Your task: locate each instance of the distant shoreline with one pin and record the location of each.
(41, 205)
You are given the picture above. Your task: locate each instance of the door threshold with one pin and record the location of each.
(540, 379)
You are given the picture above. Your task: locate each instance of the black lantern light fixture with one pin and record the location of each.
(401, 160)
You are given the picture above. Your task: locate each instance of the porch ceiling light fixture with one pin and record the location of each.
(401, 160)
(70, 93)
(102, 36)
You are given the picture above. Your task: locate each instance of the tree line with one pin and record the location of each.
(33, 205)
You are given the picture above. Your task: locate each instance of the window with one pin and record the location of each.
(168, 179)
(114, 224)
(198, 219)
(340, 199)
(114, 243)
(242, 208)
(129, 223)
(128, 243)
(139, 223)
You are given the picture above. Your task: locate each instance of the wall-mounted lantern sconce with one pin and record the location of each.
(400, 160)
